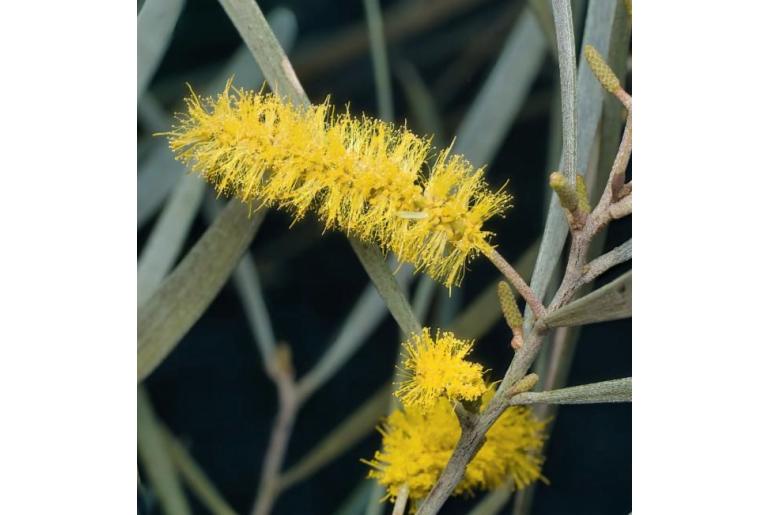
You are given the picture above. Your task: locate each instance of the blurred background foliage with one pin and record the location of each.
(212, 393)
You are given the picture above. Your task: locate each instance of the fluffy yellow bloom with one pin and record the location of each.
(436, 368)
(366, 177)
(417, 445)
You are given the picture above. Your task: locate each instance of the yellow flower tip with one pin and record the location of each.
(524, 384)
(601, 69)
(568, 196)
(436, 368)
(362, 176)
(584, 204)
(417, 445)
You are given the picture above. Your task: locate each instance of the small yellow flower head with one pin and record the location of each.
(438, 368)
(417, 445)
(362, 176)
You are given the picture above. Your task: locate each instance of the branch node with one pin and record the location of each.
(467, 413)
(570, 199)
(524, 384)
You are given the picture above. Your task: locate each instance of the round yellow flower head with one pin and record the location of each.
(436, 368)
(362, 176)
(417, 445)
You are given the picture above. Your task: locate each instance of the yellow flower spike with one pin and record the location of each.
(417, 445)
(362, 176)
(437, 368)
(508, 305)
(601, 69)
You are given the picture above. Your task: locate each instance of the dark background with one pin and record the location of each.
(212, 391)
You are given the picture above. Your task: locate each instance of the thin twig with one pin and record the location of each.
(401, 499)
(624, 98)
(483, 312)
(282, 374)
(350, 431)
(598, 266)
(517, 282)
(617, 173)
(579, 274)
(620, 209)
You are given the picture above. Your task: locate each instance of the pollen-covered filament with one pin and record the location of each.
(437, 367)
(362, 176)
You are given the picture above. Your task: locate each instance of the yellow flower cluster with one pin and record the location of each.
(437, 368)
(362, 176)
(417, 445)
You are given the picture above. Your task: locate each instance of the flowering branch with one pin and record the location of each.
(412, 211)
(472, 437)
(281, 372)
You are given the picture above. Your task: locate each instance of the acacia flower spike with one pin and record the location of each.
(511, 314)
(363, 176)
(417, 445)
(508, 305)
(436, 368)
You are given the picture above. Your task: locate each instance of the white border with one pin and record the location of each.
(702, 207)
(68, 274)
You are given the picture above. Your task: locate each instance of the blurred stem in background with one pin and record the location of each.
(162, 455)
(379, 51)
